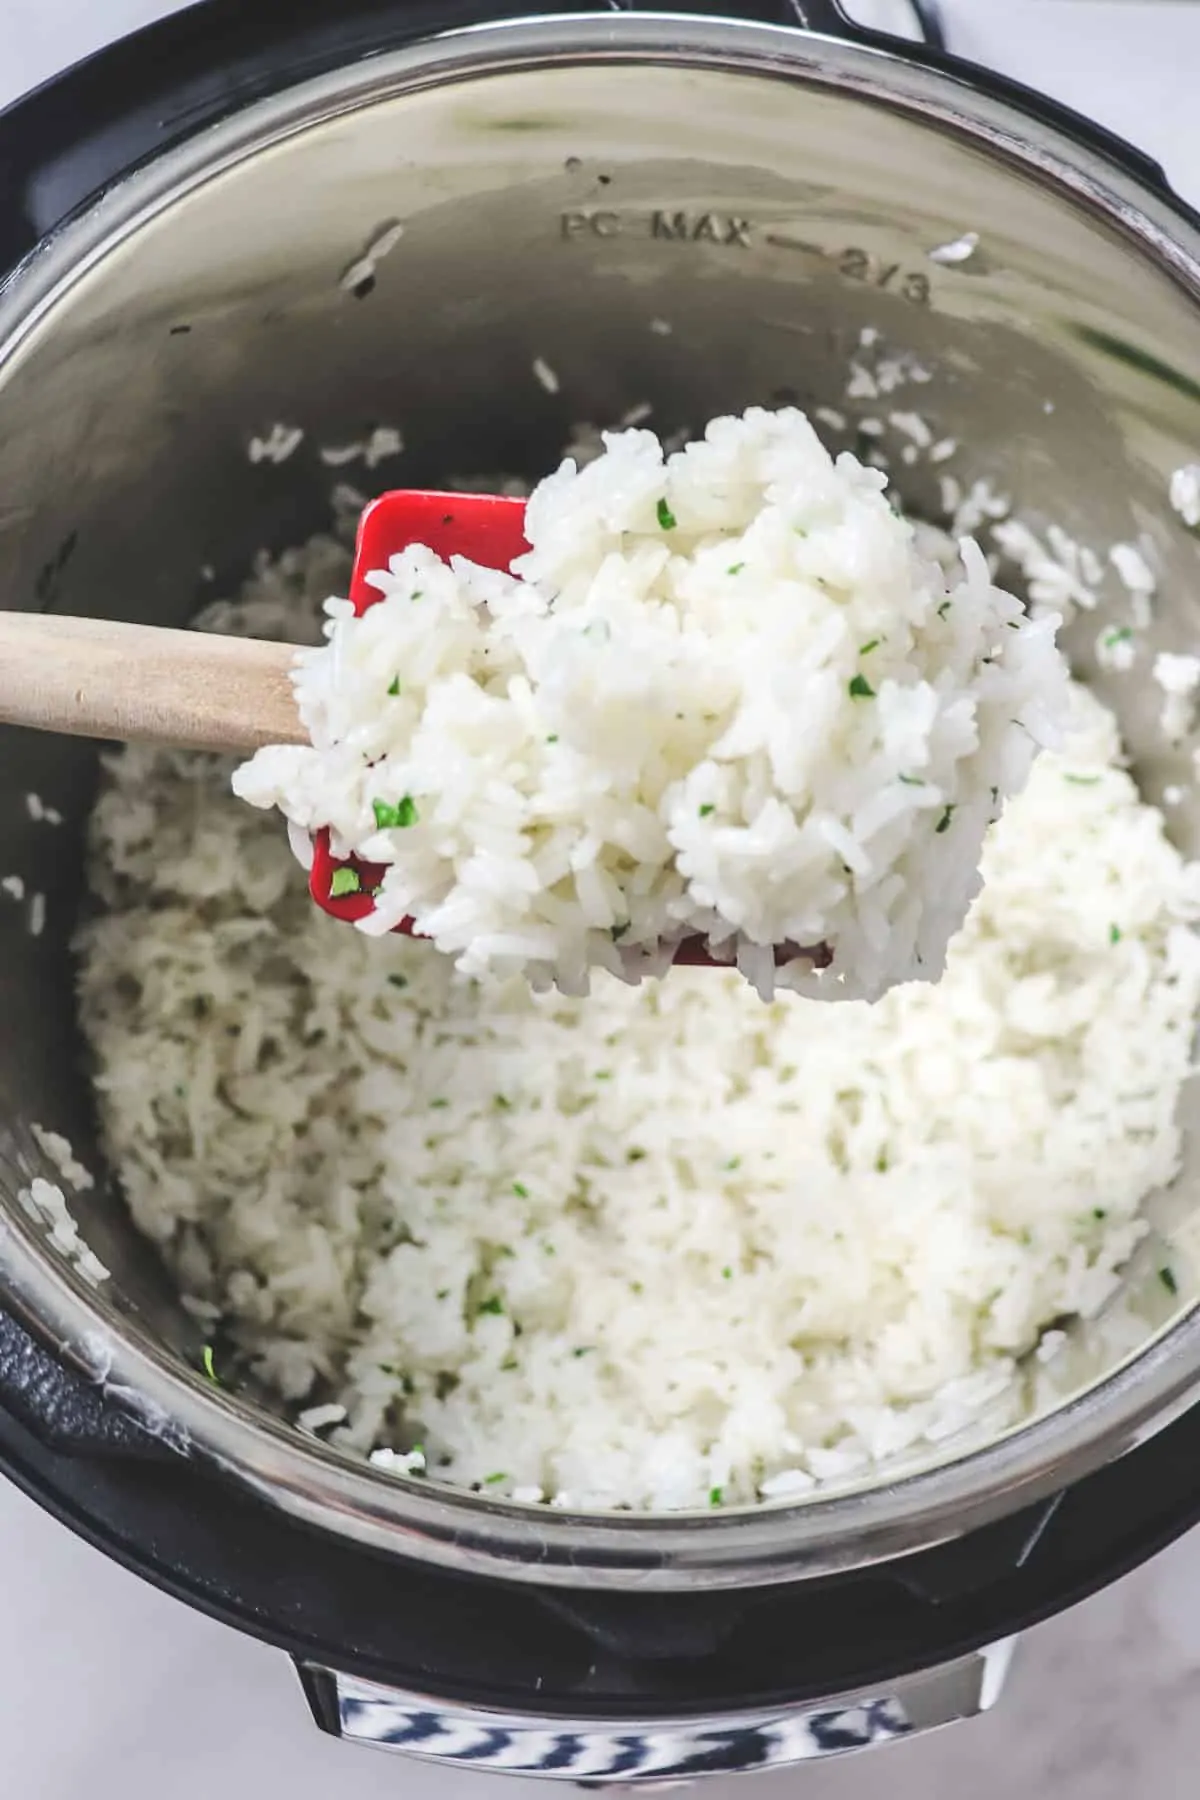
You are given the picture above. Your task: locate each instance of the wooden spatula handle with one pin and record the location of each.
(97, 678)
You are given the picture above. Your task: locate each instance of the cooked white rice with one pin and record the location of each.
(724, 695)
(666, 1246)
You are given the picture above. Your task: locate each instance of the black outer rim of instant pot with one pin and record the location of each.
(178, 1524)
(582, 1654)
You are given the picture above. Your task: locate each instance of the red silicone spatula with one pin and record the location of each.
(490, 530)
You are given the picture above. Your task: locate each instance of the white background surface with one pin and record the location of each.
(110, 1691)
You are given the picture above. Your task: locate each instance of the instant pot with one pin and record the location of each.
(687, 209)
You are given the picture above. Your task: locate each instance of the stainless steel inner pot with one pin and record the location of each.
(700, 215)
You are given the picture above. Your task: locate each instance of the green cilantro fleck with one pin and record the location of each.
(553, 738)
(520, 1190)
(635, 1155)
(866, 649)
(727, 1273)
(912, 780)
(603, 1075)
(491, 1480)
(443, 1293)
(735, 1162)
(501, 1102)
(1082, 780)
(943, 823)
(493, 1305)
(617, 932)
(1167, 1277)
(666, 517)
(394, 687)
(583, 1350)
(944, 608)
(1114, 934)
(508, 1365)
(398, 981)
(706, 810)
(439, 1104)
(881, 1163)
(343, 882)
(1099, 1212)
(861, 689)
(206, 1358)
(735, 568)
(716, 1496)
(1122, 635)
(400, 816)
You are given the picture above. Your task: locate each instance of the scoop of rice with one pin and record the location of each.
(723, 695)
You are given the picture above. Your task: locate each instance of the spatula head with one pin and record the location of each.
(489, 529)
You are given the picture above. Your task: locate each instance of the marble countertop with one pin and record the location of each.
(112, 1691)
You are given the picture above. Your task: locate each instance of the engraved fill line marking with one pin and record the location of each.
(787, 243)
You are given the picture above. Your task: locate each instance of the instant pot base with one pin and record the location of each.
(742, 1679)
(212, 309)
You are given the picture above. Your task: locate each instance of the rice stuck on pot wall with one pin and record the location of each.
(667, 1246)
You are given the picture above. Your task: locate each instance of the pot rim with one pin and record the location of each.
(824, 1533)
